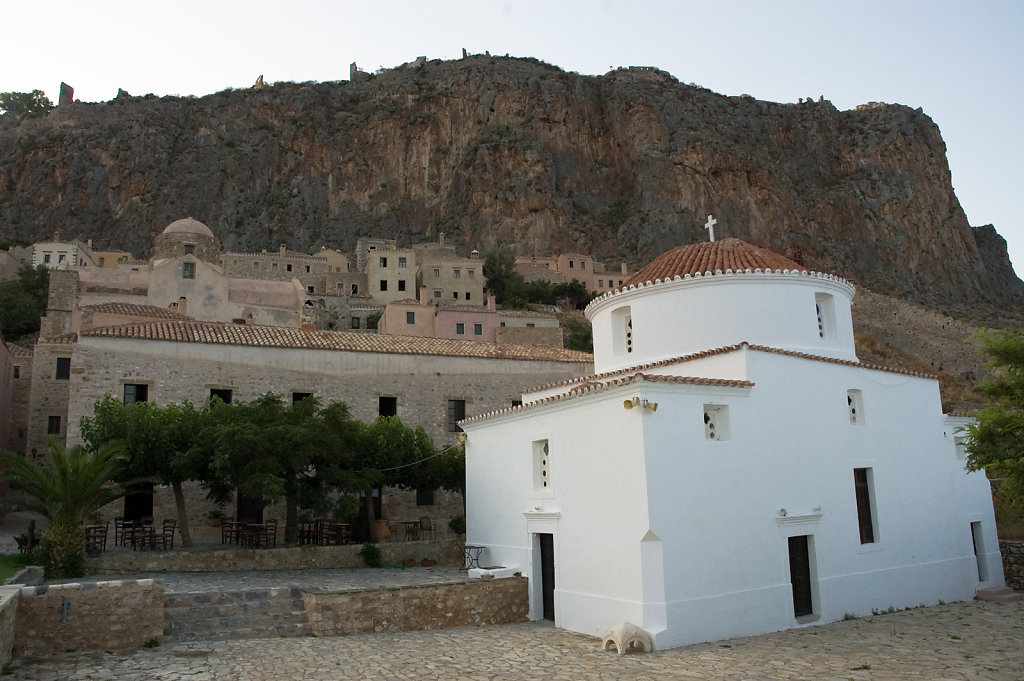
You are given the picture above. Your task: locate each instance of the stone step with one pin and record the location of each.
(284, 631)
(178, 626)
(1001, 595)
(228, 615)
(174, 600)
(206, 611)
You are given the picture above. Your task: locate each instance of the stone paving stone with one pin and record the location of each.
(968, 641)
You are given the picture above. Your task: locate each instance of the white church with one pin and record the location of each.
(732, 468)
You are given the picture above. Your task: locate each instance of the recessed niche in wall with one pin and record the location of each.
(716, 422)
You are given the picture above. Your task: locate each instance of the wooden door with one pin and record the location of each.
(547, 574)
(800, 575)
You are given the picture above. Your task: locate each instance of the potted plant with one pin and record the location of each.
(215, 516)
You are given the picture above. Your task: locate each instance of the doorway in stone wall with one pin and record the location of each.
(249, 509)
(138, 502)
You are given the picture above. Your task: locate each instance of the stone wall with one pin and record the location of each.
(48, 397)
(1013, 563)
(532, 335)
(8, 616)
(21, 391)
(125, 562)
(497, 601)
(94, 616)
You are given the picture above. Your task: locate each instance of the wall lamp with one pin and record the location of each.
(637, 402)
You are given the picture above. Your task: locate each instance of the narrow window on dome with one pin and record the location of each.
(716, 422)
(855, 405)
(622, 331)
(541, 469)
(824, 308)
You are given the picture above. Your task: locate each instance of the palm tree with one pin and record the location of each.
(77, 485)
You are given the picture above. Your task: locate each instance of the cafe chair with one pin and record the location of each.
(427, 528)
(166, 536)
(270, 533)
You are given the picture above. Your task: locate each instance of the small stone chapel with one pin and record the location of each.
(731, 468)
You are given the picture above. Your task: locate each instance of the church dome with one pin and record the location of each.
(188, 226)
(711, 258)
(184, 237)
(697, 298)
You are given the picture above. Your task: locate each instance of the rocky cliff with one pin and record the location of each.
(514, 152)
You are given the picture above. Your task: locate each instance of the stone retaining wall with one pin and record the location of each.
(8, 614)
(122, 561)
(92, 616)
(1013, 563)
(496, 601)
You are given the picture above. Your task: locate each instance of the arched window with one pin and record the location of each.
(622, 331)
(824, 308)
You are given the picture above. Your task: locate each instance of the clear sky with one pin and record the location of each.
(961, 62)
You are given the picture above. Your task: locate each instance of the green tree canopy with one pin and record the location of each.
(996, 439)
(24, 301)
(158, 442)
(18, 104)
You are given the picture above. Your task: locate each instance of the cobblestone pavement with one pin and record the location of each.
(963, 641)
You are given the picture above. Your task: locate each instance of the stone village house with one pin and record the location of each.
(180, 328)
(732, 468)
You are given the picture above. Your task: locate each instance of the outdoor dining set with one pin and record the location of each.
(140, 535)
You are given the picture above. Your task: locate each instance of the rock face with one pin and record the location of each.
(513, 152)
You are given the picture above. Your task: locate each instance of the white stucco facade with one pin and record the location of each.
(685, 531)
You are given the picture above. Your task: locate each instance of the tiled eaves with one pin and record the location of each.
(717, 273)
(62, 339)
(136, 310)
(289, 338)
(597, 386)
(725, 349)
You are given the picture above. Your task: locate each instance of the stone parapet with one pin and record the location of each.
(498, 601)
(125, 562)
(1013, 563)
(90, 616)
(8, 615)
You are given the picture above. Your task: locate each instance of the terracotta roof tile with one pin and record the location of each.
(592, 386)
(135, 310)
(711, 258)
(280, 337)
(19, 351)
(722, 350)
(62, 339)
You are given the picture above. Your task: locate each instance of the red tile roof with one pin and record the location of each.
(280, 337)
(596, 382)
(711, 258)
(63, 339)
(592, 386)
(723, 350)
(135, 310)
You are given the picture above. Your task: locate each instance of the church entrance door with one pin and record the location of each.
(547, 574)
(800, 575)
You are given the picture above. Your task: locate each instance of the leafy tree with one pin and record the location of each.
(579, 335)
(67, 494)
(158, 442)
(272, 451)
(18, 104)
(996, 440)
(502, 279)
(24, 301)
